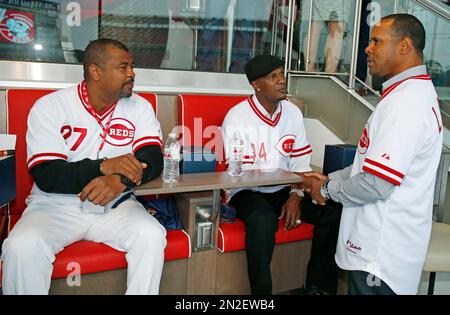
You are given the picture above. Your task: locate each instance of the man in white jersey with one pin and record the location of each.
(274, 137)
(87, 147)
(388, 191)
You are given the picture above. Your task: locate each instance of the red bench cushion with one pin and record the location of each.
(96, 257)
(232, 235)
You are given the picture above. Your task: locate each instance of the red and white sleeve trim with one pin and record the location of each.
(43, 157)
(144, 141)
(248, 159)
(302, 151)
(382, 171)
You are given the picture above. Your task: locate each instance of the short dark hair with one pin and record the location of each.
(408, 25)
(95, 52)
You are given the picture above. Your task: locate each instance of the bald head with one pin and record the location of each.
(97, 53)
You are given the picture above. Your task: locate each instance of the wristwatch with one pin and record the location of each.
(101, 165)
(298, 191)
(127, 182)
(324, 190)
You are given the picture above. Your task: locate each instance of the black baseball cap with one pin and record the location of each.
(262, 65)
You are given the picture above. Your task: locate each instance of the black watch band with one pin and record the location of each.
(127, 182)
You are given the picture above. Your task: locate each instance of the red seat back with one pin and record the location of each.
(201, 116)
(151, 98)
(18, 104)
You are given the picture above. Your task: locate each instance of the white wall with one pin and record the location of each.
(318, 136)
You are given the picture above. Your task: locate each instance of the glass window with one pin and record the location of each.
(437, 48)
(29, 31)
(208, 35)
(436, 53)
(222, 35)
(323, 43)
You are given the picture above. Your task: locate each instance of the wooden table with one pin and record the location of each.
(218, 180)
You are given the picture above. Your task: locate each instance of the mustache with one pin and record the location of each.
(129, 81)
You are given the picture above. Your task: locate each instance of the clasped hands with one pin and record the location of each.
(103, 189)
(311, 184)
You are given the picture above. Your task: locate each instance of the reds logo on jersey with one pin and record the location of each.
(121, 132)
(364, 141)
(285, 145)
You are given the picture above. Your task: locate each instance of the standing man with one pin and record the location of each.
(88, 146)
(274, 137)
(388, 191)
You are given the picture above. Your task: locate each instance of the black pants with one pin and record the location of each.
(260, 213)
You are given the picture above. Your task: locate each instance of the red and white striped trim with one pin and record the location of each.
(302, 151)
(221, 249)
(248, 159)
(189, 241)
(437, 120)
(43, 157)
(261, 116)
(382, 171)
(91, 110)
(390, 88)
(139, 143)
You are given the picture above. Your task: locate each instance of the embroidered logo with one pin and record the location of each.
(121, 132)
(364, 141)
(16, 27)
(285, 145)
(353, 247)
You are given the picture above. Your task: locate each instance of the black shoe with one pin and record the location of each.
(312, 290)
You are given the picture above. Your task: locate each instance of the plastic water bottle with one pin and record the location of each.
(236, 155)
(171, 171)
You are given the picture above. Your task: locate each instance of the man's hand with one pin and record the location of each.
(291, 209)
(315, 193)
(308, 178)
(312, 181)
(126, 165)
(102, 190)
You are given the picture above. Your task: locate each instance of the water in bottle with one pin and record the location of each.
(236, 155)
(171, 171)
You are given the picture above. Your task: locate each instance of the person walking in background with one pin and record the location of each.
(330, 13)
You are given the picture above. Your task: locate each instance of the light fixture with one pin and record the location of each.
(38, 47)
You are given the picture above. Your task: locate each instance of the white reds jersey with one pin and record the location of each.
(401, 143)
(62, 125)
(269, 142)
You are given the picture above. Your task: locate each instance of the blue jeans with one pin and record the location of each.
(364, 283)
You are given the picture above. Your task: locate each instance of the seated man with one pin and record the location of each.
(274, 137)
(88, 146)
